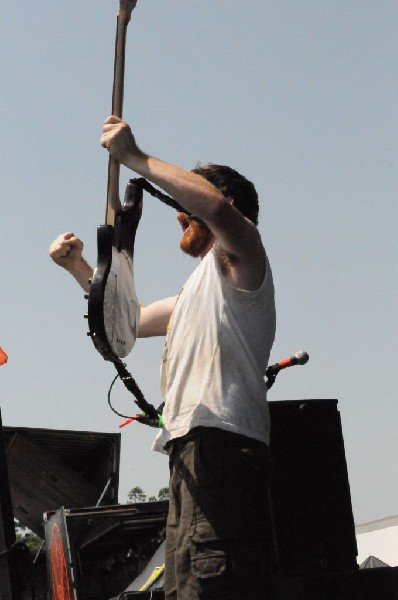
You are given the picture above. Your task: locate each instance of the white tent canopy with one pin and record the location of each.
(378, 539)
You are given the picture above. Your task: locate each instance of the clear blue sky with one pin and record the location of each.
(299, 96)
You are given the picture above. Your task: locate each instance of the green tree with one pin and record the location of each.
(163, 493)
(32, 541)
(135, 495)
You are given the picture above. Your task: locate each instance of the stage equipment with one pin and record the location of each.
(10, 582)
(310, 496)
(94, 553)
(49, 468)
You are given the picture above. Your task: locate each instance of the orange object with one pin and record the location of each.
(285, 362)
(3, 357)
(127, 422)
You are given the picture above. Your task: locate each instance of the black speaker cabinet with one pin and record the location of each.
(379, 584)
(310, 495)
(363, 584)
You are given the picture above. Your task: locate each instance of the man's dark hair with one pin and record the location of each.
(232, 185)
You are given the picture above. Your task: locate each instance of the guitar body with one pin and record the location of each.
(113, 308)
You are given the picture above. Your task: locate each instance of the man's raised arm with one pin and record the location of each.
(67, 252)
(237, 235)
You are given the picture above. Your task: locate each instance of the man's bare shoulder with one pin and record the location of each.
(244, 270)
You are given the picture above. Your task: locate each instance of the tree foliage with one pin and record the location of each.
(163, 493)
(137, 495)
(32, 541)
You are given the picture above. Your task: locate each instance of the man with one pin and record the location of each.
(219, 333)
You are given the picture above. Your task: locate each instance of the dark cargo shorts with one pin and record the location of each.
(218, 538)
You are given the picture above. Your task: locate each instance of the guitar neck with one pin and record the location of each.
(113, 204)
(112, 199)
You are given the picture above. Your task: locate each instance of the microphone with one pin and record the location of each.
(300, 358)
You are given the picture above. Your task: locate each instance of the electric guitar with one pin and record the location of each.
(113, 309)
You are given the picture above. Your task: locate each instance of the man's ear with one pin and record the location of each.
(230, 200)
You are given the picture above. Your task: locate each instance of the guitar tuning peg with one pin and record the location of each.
(89, 334)
(90, 280)
(86, 296)
(85, 316)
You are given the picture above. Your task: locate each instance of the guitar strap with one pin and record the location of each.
(166, 199)
(158, 194)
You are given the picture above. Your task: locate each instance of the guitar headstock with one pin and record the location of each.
(126, 7)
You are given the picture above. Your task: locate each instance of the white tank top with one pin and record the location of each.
(216, 353)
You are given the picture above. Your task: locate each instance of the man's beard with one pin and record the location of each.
(197, 237)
